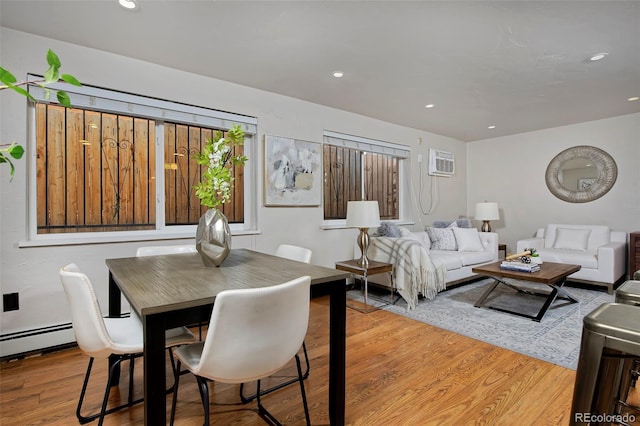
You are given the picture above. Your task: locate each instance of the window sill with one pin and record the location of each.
(118, 237)
(341, 224)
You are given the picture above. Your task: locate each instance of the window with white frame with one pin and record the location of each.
(120, 162)
(357, 168)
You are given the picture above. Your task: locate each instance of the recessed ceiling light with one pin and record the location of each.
(429, 106)
(633, 98)
(491, 127)
(338, 74)
(128, 4)
(598, 56)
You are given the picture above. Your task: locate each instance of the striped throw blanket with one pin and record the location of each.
(414, 272)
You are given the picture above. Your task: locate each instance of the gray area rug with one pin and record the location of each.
(556, 338)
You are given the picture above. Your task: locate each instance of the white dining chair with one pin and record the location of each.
(253, 333)
(171, 249)
(98, 337)
(102, 338)
(299, 254)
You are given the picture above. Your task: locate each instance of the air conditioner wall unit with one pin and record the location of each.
(441, 163)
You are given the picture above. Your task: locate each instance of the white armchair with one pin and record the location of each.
(599, 251)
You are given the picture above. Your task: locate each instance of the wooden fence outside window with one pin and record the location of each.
(344, 171)
(96, 172)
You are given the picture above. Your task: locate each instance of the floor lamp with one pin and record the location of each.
(363, 215)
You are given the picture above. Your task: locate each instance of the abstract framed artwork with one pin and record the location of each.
(293, 172)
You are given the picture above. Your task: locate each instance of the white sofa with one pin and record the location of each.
(599, 251)
(456, 263)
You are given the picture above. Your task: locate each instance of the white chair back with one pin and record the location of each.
(158, 250)
(88, 325)
(300, 254)
(255, 332)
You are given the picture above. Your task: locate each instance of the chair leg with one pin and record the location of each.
(81, 418)
(103, 411)
(267, 416)
(176, 382)
(204, 396)
(249, 398)
(302, 391)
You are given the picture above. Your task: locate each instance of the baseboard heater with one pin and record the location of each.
(37, 341)
(27, 343)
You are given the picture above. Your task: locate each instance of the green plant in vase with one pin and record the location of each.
(216, 182)
(213, 236)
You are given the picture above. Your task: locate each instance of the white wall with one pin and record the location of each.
(511, 171)
(33, 272)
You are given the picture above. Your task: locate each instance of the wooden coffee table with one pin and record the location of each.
(551, 274)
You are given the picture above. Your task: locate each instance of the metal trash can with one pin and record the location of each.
(610, 334)
(629, 293)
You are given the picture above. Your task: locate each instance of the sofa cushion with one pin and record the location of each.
(468, 239)
(389, 229)
(599, 236)
(449, 259)
(459, 259)
(572, 239)
(460, 223)
(421, 237)
(586, 259)
(442, 238)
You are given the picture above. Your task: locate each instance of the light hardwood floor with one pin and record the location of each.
(399, 372)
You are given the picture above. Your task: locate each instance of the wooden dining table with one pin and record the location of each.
(174, 290)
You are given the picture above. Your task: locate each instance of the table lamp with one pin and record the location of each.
(485, 212)
(363, 215)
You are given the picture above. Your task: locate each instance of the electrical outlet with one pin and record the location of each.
(10, 302)
(419, 158)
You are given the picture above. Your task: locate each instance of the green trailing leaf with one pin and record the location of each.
(6, 77)
(23, 92)
(16, 151)
(53, 60)
(68, 78)
(51, 76)
(63, 98)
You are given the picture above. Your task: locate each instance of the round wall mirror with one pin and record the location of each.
(581, 174)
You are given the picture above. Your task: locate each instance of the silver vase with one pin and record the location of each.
(213, 237)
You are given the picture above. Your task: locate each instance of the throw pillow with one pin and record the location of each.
(571, 239)
(460, 223)
(468, 239)
(388, 229)
(442, 239)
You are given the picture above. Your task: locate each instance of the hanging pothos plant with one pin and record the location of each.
(52, 75)
(216, 182)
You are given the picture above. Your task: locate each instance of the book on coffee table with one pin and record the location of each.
(519, 266)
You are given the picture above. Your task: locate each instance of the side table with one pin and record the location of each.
(373, 268)
(502, 247)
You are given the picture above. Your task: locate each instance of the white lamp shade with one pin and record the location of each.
(487, 211)
(363, 214)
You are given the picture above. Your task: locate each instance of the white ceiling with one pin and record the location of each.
(518, 65)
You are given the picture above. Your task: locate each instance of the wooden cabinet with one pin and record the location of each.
(634, 253)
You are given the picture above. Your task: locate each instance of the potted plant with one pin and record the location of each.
(213, 236)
